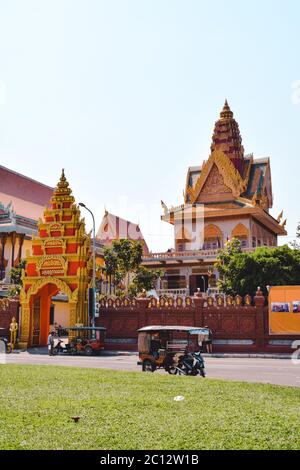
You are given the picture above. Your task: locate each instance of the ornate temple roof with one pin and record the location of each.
(227, 138)
(115, 228)
(11, 222)
(228, 170)
(229, 183)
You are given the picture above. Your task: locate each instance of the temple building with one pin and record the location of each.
(22, 202)
(113, 228)
(229, 195)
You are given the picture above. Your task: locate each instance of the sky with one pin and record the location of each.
(124, 95)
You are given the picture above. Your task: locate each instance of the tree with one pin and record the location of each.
(144, 279)
(15, 276)
(241, 273)
(121, 259)
(296, 244)
(111, 264)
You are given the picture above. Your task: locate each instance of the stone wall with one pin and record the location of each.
(238, 325)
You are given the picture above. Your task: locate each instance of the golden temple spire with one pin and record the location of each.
(226, 112)
(62, 188)
(227, 138)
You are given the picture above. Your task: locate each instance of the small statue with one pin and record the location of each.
(13, 328)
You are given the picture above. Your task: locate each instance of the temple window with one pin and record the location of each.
(213, 237)
(253, 242)
(183, 237)
(241, 233)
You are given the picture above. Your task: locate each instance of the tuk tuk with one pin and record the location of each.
(173, 348)
(86, 339)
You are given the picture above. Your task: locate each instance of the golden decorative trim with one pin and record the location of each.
(232, 178)
(41, 282)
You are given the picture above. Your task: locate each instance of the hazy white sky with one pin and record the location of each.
(124, 94)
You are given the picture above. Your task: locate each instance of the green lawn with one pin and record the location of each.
(132, 410)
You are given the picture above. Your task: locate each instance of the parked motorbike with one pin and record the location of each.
(61, 348)
(7, 345)
(191, 364)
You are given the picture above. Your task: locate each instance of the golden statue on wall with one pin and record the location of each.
(13, 329)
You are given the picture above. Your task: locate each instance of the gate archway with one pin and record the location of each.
(60, 262)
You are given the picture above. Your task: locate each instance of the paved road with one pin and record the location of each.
(275, 371)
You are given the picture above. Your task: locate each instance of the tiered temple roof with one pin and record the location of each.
(229, 183)
(227, 138)
(246, 177)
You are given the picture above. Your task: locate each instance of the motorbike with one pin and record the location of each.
(7, 345)
(191, 364)
(61, 348)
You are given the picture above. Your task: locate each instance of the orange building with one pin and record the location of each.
(60, 263)
(229, 195)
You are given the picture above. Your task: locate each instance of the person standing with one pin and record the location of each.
(51, 343)
(208, 341)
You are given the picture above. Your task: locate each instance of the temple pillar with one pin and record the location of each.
(73, 313)
(21, 241)
(13, 242)
(25, 326)
(2, 267)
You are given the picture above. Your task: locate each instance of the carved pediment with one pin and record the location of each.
(231, 177)
(214, 184)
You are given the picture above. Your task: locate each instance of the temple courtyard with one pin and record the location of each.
(130, 410)
(249, 369)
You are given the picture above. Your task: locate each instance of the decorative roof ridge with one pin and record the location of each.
(107, 213)
(261, 160)
(195, 168)
(231, 175)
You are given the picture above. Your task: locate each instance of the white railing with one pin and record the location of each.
(169, 255)
(172, 292)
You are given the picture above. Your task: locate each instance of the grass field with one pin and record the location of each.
(132, 410)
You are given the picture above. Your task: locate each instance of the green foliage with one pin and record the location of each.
(135, 410)
(296, 244)
(144, 279)
(129, 254)
(15, 274)
(122, 258)
(241, 273)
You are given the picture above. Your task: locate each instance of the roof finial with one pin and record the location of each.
(63, 185)
(226, 112)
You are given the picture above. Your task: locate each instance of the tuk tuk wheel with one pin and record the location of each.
(172, 370)
(8, 349)
(148, 366)
(88, 350)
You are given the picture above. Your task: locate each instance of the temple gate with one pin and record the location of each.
(60, 262)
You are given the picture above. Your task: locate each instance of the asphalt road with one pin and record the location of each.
(274, 371)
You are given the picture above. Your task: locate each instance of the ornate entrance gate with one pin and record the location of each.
(60, 262)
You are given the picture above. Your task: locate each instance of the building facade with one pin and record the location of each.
(22, 202)
(229, 195)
